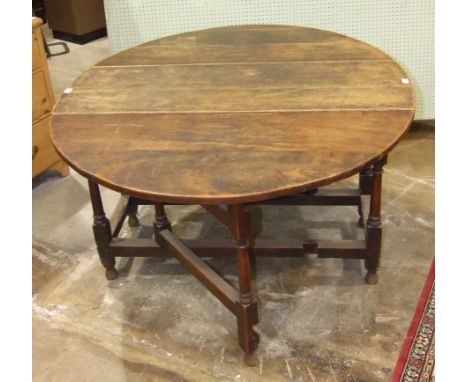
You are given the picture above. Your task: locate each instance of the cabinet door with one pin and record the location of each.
(43, 152)
(40, 98)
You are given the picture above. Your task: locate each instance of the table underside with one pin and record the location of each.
(241, 301)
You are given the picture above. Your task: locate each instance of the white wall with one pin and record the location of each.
(402, 28)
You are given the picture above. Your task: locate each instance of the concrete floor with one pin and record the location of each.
(319, 321)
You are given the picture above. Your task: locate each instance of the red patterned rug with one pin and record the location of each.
(417, 357)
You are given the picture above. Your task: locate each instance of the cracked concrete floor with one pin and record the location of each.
(319, 321)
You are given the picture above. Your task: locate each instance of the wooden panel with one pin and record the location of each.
(239, 100)
(248, 45)
(240, 87)
(168, 54)
(189, 155)
(36, 53)
(41, 103)
(43, 152)
(250, 34)
(138, 79)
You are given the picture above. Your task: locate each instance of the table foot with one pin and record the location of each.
(248, 342)
(250, 359)
(371, 278)
(360, 222)
(133, 221)
(111, 274)
(161, 221)
(132, 216)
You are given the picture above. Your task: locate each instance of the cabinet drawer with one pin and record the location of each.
(40, 99)
(36, 53)
(43, 152)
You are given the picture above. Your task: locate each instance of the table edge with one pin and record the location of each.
(235, 199)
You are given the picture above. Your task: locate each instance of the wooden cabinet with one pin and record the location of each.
(44, 155)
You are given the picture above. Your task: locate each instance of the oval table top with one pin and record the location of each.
(233, 115)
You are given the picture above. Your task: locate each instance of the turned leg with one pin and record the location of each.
(132, 215)
(247, 310)
(160, 218)
(102, 231)
(374, 224)
(365, 188)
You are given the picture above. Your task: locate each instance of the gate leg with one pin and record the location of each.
(247, 310)
(365, 188)
(160, 218)
(102, 231)
(374, 224)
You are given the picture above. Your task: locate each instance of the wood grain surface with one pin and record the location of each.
(233, 114)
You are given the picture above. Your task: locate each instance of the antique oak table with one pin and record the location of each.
(228, 117)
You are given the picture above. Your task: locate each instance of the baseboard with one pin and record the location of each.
(80, 39)
(423, 125)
